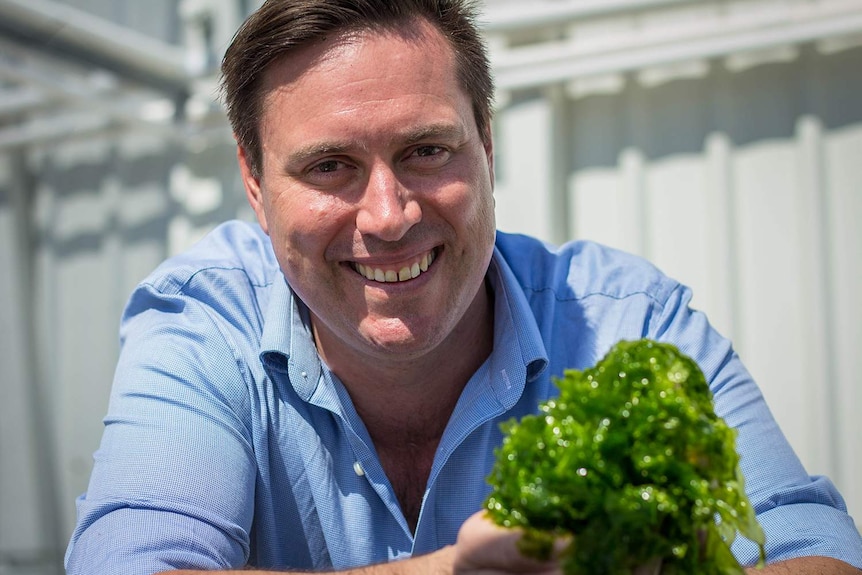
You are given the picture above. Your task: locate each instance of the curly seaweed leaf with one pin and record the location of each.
(631, 462)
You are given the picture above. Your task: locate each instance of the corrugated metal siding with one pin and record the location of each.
(28, 536)
(744, 184)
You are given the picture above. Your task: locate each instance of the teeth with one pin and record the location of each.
(391, 276)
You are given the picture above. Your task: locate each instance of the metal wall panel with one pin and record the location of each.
(745, 183)
(29, 538)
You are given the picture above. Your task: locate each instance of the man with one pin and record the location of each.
(325, 391)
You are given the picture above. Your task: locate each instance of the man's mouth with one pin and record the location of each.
(402, 273)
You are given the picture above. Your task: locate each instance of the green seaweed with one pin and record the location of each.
(630, 463)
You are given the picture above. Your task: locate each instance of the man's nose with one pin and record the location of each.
(387, 208)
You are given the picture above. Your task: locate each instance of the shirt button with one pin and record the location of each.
(357, 468)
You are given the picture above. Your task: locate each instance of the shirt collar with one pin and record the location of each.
(519, 352)
(287, 342)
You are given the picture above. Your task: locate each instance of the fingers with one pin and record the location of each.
(484, 548)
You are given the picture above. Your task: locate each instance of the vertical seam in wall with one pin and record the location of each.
(42, 421)
(722, 115)
(561, 149)
(826, 267)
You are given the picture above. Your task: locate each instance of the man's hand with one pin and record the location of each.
(484, 548)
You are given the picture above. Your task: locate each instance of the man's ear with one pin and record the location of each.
(488, 144)
(253, 191)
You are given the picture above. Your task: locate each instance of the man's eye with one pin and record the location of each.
(429, 156)
(426, 151)
(329, 172)
(326, 166)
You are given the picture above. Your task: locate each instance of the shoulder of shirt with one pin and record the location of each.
(582, 269)
(233, 249)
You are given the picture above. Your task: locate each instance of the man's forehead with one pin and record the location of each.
(289, 68)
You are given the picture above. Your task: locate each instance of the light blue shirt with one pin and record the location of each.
(228, 443)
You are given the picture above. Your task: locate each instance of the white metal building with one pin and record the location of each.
(722, 139)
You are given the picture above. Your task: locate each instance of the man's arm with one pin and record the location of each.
(174, 477)
(807, 566)
(497, 555)
(437, 563)
(441, 562)
(484, 548)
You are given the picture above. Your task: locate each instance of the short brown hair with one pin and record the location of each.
(282, 26)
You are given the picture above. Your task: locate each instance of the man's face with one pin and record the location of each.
(376, 190)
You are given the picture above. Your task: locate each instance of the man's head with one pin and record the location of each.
(282, 27)
(370, 173)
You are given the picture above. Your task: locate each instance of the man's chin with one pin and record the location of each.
(395, 339)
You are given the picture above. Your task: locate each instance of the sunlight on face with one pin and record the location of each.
(376, 190)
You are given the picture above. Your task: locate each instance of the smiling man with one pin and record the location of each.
(378, 201)
(324, 390)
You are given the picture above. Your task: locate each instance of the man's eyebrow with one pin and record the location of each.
(447, 132)
(326, 148)
(431, 132)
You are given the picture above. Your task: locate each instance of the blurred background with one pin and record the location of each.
(722, 139)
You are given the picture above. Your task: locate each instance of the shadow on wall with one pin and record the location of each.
(672, 119)
(130, 199)
(102, 220)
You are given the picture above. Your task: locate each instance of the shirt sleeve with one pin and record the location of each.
(174, 477)
(801, 515)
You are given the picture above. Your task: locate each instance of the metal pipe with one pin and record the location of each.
(521, 15)
(71, 33)
(544, 64)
